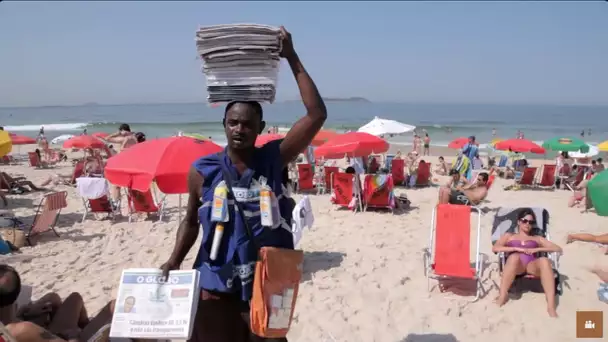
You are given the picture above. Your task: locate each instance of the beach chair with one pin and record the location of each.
(344, 193)
(527, 177)
(388, 162)
(305, 178)
(448, 254)
(34, 160)
(47, 214)
(502, 163)
(580, 176)
(143, 202)
(423, 176)
(327, 172)
(95, 196)
(397, 171)
(548, 176)
(505, 221)
(378, 192)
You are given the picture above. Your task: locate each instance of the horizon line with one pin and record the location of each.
(93, 104)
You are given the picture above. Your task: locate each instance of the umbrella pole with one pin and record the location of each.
(179, 212)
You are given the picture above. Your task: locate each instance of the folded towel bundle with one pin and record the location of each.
(240, 61)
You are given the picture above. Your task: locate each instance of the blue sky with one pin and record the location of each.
(63, 53)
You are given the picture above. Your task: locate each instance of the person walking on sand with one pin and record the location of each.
(227, 281)
(427, 145)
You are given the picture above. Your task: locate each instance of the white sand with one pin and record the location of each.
(364, 278)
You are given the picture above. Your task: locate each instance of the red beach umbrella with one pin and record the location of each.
(83, 141)
(100, 134)
(353, 144)
(458, 143)
(263, 139)
(323, 136)
(21, 139)
(165, 160)
(520, 145)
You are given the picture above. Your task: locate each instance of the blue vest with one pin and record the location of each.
(233, 269)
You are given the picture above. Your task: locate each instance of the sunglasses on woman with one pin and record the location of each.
(527, 221)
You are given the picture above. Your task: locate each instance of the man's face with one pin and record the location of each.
(242, 126)
(480, 180)
(129, 303)
(456, 177)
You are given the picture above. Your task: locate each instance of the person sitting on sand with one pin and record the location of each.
(470, 194)
(48, 318)
(442, 167)
(580, 193)
(18, 183)
(522, 259)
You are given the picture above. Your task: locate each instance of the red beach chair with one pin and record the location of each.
(423, 177)
(328, 170)
(143, 202)
(378, 198)
(47, 214)
(547, 178)
(343, 192)
(448, 255)
(305, 177)
(397, 167)
(527, 176)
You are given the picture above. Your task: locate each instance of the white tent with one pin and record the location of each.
(380, 127)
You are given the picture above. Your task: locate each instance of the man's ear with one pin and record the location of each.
(262, 126)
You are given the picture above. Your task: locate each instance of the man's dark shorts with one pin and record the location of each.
(457, 197)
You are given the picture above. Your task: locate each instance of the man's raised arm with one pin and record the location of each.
(305, 129)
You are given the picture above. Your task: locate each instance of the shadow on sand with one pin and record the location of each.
(430, 338)
(320, 261)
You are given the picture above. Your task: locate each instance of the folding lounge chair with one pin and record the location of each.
(305, 178)
(95, 196)
(448, 255)
(580, 176)
(328, 171)
(423, 175)
(397, 167)
(502, 163)
(47, 214)
(382, 197)
(505, 221)
(143, 202)
(34, 160)
(344, 193)
(548, 176)
(527, 177)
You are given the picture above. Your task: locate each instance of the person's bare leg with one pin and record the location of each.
(70, 316)
(103, 318)
(584, 237)
(511, 269)
(30, 184)
(541, 267)
(28, 331)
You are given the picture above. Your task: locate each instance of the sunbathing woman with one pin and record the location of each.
(522, 247)
(8, 183)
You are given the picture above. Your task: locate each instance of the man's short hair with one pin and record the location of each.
(257, 107)
(10, 285)
(484, 176)
(124, 127)
(454, 172)
(140, 137)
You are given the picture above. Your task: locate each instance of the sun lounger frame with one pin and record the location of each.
(428, 257)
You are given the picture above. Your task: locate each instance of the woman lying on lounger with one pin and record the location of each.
(521, 259)
(49, 318)
(16, 184)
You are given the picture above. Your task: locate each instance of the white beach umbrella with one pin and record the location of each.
(60, 139)
(593, 151)
(380, 127)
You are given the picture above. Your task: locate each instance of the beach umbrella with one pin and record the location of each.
(263, 139)
(6, 144)
(598, 192)
(83, 142)
(593, 151)
(21, 139)
(603, 146)
(323, 136)
(381, 127)
(166, 161)
(458, 143)
(353, 144)
(61, 138)
(566, 144)
(100, 134)
(519, 145)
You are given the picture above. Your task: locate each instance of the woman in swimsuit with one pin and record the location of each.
(522, 248)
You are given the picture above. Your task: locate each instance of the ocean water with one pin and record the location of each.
(537, 122)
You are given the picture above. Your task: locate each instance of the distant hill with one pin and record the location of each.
(339, 99)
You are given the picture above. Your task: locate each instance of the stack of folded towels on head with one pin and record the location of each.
(240, 61)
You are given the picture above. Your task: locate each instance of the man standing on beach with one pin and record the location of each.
(227, 280)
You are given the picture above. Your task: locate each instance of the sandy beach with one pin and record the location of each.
(363, 272)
